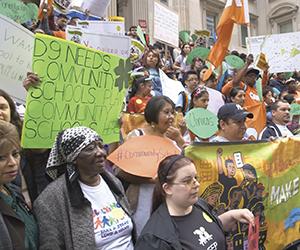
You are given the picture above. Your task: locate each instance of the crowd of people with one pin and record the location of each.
(77, 199)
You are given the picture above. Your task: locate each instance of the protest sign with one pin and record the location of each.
(117, 45)
(80, 86)
(141, 36)
(260, 176)
(170, 88)
(102, 27)
(281, 50)
(16, 48)
(202, 122)
(18, 11)
(216, 100)
(141, 155)
(136, 50)
(95, 7)
(166, 25)
(295, 109)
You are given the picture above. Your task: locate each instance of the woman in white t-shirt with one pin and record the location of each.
(180, 62)
(84, 208)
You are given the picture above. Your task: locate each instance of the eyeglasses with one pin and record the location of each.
(189, 182)
(168, 113)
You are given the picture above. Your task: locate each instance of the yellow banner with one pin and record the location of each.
(260, 176)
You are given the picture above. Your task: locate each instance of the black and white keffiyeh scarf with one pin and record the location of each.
(67, 146)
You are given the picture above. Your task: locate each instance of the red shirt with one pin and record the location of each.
(137, 104)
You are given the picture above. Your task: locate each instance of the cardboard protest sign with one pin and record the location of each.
(95, 7)
(16, 48)
(166, 23)
(202, 122)
(141, 155)
(295, 109)
(170, 88)
(141, 35)
(260, 176)
(216, 100)
(282, 50)
(80, 86)
(117, 45)
(102, 27)
(136, 50)
(199, 52)
(234, 62)
(18, 11)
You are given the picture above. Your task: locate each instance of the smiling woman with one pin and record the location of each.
(20, 229)
(85, 208)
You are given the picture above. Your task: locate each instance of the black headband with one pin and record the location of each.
(171, 163)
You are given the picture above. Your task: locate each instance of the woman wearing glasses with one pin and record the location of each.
(180, 220)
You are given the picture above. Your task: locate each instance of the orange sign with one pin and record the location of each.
(141, 155)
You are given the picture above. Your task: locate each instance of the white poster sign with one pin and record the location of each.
(95, 7)
(166, 25)
(102, 27)
(16, 49)
(118, 45)
(170, 87)
(216, 100)
(282, 50)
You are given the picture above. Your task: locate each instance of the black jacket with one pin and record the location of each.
(161, 233)
(270, 130)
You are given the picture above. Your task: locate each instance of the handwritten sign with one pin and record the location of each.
(16, 49)
(80, 86)
(102, 27)
(117, 45)
(95, 7)
(141, 155)
(18, 11)
(202, 122)
(282, 50)
(166, 24)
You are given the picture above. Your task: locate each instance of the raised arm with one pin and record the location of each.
(242, 72)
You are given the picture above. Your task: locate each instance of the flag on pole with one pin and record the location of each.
(49, 8)
(236, 11)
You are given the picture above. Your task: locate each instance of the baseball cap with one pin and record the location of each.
(234, 112)
(253, 71)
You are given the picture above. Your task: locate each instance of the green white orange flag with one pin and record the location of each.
(236, 11)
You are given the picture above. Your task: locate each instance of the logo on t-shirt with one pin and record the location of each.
(205, 237)
(110, 220)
